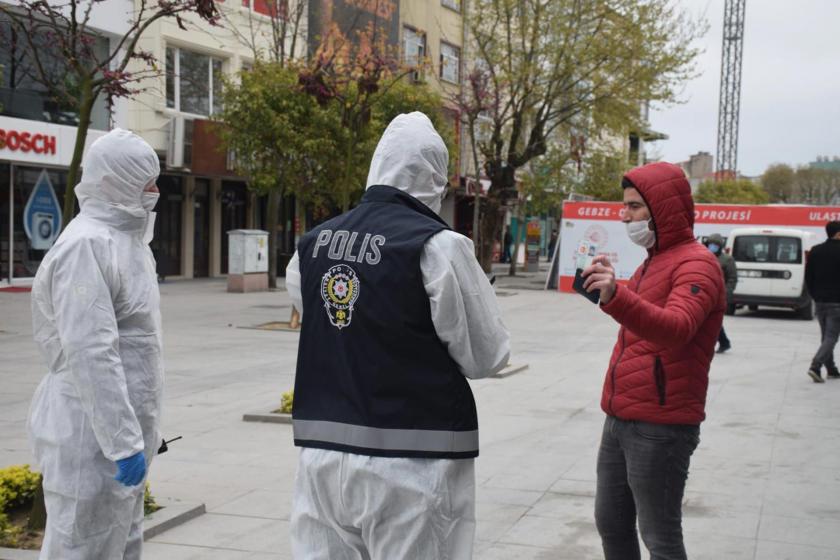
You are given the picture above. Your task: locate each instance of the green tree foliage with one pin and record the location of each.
(602, 175)
(554, 176)
(288, 143)
(284, 142)
(555, 65)
(816, 186)
(803, 185)
(779, 182)
(731, 191)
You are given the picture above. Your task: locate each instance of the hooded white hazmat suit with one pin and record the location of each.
(96, 319)
(349, 506)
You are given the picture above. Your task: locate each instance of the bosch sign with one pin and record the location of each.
(16, 140)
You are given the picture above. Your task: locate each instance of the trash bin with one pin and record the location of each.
(247, 260)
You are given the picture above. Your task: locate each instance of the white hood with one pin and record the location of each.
(116, 169)
(411, 157)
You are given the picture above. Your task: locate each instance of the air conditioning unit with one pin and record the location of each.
(179, 149)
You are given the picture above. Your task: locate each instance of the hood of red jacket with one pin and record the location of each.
(667, 193)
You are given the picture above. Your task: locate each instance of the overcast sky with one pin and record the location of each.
(790, 86)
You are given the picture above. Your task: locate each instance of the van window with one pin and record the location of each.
(788, 250)
(768, 249)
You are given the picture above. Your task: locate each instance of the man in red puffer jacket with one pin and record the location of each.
(654, 395)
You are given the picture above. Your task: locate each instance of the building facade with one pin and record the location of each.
(37, 138)
(201, 197)
(699, 167)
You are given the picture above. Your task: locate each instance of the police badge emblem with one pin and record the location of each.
(339, 290)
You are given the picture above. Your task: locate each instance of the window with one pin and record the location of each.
(788, 250)
(193, 82)
(23, 94)
(450, 63)
(768, 249)
(268, 7)
(414, 47)
(452, 4)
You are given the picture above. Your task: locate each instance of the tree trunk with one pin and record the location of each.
(85, 109)
(517, 235)
(38, 513)
(271, 219)
(489, 230)
(348, 164)
(477, 203)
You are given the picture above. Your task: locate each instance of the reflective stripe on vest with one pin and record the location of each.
(386, 439)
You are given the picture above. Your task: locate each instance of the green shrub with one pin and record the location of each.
(149, 504)
(18, 485)
(287, 401)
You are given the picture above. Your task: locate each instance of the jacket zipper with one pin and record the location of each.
(623, 334)
(659, 379)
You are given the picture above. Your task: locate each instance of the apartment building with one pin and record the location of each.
(201, 197)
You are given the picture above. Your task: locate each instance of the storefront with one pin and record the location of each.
(34, 157)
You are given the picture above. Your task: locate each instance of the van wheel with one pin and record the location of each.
(753, 308)
(806, 313)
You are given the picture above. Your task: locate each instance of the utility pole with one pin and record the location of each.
(730, 87)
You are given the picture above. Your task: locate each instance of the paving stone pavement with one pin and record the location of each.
(764, 483)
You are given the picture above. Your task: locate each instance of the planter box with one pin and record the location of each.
(172, 514)
(269, 417)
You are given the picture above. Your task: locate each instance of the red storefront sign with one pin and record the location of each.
(18, 140)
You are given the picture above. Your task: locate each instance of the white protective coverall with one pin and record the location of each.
(96, 319)
(349, 506)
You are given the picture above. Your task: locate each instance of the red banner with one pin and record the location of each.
(733, 214)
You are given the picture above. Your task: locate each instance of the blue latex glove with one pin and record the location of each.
(132, 470)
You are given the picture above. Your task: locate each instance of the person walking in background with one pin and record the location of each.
(654, 393)
(552, 243)
(822, 277)
(715, 244)
(507, 241)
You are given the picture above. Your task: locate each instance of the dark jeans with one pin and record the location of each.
(723, 340)
(642, 470)
(506, 254)
(828, 315)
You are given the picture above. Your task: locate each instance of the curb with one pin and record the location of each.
(173, 514)
(18, 554)
(509, 370)
(276, 326)
(268, 417)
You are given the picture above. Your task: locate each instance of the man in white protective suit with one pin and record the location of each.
(94, 419)
(396, 314)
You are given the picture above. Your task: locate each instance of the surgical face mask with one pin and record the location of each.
(641, 234)
(714, 248)
(149, 199)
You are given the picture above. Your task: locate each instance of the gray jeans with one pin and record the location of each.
(828, 314)
(642, 470)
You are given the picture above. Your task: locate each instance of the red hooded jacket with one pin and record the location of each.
(670, 312)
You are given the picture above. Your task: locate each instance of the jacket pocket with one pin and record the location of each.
(659, 378)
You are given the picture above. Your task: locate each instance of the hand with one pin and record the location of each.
(600, 275)
(132, 470)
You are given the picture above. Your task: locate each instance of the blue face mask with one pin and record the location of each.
(714, 248)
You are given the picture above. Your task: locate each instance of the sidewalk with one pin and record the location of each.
(764, 483)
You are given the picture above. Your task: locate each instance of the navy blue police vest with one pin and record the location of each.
(372, 376)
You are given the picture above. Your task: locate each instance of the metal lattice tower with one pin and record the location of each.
(730, 86)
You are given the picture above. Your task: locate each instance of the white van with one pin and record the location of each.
(771, 268)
